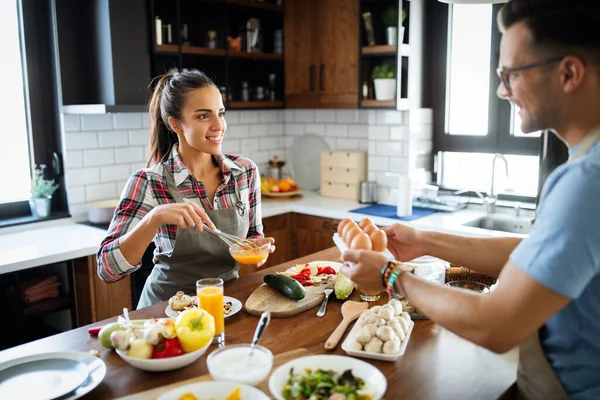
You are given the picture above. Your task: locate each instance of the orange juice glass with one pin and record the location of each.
(210, 298)
(366, 295)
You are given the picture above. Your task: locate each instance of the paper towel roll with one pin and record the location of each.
(404, 205)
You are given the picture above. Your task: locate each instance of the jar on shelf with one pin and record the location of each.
(245, 91)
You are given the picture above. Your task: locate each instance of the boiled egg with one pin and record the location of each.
(350, 225)
(365, 222)
(369, 229)
(351, 234)
(361, 242)
(379, 240)
(342, 224)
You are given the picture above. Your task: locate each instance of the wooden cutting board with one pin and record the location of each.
(278, 360)
(265, 298)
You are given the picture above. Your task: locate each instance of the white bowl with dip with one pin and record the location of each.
(232, 363)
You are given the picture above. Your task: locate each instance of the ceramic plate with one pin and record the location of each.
(68, 375)
(375, 381)
(236, 306)
(214, 390)
(305, 160)
(281, 194)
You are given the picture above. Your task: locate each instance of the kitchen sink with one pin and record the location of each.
(505, 223)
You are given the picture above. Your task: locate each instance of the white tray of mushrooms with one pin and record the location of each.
(381, 333)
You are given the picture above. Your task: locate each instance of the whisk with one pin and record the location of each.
(233, 241)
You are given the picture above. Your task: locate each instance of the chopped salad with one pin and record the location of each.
(324, 385)
(310, 274)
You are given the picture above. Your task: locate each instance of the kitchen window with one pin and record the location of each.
(29, 108)
(475, 123)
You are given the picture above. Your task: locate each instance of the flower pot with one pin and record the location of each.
(385, 89)
(40, 207)
(392, 35)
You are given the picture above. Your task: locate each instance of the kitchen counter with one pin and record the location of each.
(436, 365)
(55, 241)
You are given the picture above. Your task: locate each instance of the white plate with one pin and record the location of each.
(95, 370)
(375, 381)
(376, 356)
(236, 306)
(214, 390)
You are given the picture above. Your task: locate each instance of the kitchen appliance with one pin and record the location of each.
(368, 192)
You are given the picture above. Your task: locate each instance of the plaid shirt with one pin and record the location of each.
(147, 189)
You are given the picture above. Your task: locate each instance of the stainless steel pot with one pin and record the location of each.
(368, 192)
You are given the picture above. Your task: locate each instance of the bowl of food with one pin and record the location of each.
(162, 364)
(470, 285)
(251, 256)
(326, 375)
(213, 390)
(233, 363)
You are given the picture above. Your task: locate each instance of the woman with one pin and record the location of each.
(189, 183)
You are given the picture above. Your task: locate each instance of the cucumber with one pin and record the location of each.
(286, 285)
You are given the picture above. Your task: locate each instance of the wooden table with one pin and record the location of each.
(437, 364)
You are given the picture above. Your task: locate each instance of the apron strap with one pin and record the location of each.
(171, 186)
(239, 204)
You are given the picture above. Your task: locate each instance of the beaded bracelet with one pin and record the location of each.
(387, 270)
(394, 274)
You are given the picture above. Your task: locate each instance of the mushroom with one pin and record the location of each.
(391, 346)
(354, 345)
(380, 321)
(371, 318)
(396, 305)
(180, 301)
(363, 336)
(405, 316)
(402, 323)
(395, 325)
(371, 328)
(374, 345)
(385, 333)
(386, 312)
(375, 309)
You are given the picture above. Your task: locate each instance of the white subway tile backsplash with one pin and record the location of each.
(379, 132)
(393, 149)
(322, 116)
(260, 157)
(400, 133)
(288, 141)
(383, 179)
(231, 146)
(95, 122)
(81, 140)
(347, 116)
(113, 138)
(250, 145)
(390, 117)
(269, 116)
(129, 154)
(232, 117)
(331, 142)
(288, 115)
(135, 167)
(127, 120)
(347, 144)
(238, 131)
(294, 129)
(76, 195)
(72, 123)
(378, 164)
(420, 116)
(114, 173)
(364, 116)
(74, 159)
(270, 143)
(304, 115)
(103, 191)
(145, 120)
(399, 164)
(372, 148)
(317, 129)
(248, 117)
(92, 158)
(139, 137)
(82, 176)
(259, 130)
(120, 186)
(336, 130)
(363, 145)
(276, 129)
(358, 131)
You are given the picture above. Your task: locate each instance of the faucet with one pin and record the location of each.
(488, 201)
(493, 197)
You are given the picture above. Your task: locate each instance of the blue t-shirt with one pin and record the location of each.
(563, 254)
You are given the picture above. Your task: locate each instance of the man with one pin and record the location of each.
(549, 283)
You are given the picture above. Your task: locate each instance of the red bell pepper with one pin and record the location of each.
(167, 348)
(326, 271)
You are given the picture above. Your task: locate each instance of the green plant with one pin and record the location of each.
(384, 71)
(40, 186)
(403, 16)
(390, 17)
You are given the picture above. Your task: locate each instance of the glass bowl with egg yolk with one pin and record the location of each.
(251, 256)
(233, 363)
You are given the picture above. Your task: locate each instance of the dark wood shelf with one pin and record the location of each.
(257, 55)
(255, 104)
(49, 305)
(256, 4)
(372, 103)
(196, 50)
(385, 50)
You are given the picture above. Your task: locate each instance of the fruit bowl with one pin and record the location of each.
(164, 364)
(251, 256)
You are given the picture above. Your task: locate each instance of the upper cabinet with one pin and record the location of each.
(321, 53)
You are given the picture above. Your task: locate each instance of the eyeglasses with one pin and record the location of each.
(504, 73)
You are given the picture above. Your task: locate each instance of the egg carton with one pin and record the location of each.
(376, 356)
(342, 247)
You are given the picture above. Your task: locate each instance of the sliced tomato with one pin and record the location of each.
(326, 271)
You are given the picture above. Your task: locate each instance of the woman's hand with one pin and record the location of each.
(366, 273)
(260, 242)
(404, 242)
(185, 215)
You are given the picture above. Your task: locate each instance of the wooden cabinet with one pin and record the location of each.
(98, 300)
(321, 53)
(313, 234)
(279, 227)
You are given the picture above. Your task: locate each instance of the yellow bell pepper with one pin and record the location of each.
(195, 329)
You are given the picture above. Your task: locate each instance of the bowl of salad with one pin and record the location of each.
(327, 377)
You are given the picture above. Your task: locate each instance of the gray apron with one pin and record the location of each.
(195, 256)
(535, 377)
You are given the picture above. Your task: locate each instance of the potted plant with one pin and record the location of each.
(390, 20)
(384, 79)
(42, 190)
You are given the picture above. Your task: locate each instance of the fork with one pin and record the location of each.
(321, 311)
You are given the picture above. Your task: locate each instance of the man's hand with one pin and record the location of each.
(404, 242)
(366, 274)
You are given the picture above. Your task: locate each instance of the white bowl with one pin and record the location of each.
(214, 390)
(375, 382)
(231, 363)
(164, 364)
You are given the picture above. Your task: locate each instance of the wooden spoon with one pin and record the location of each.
(351, 310)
